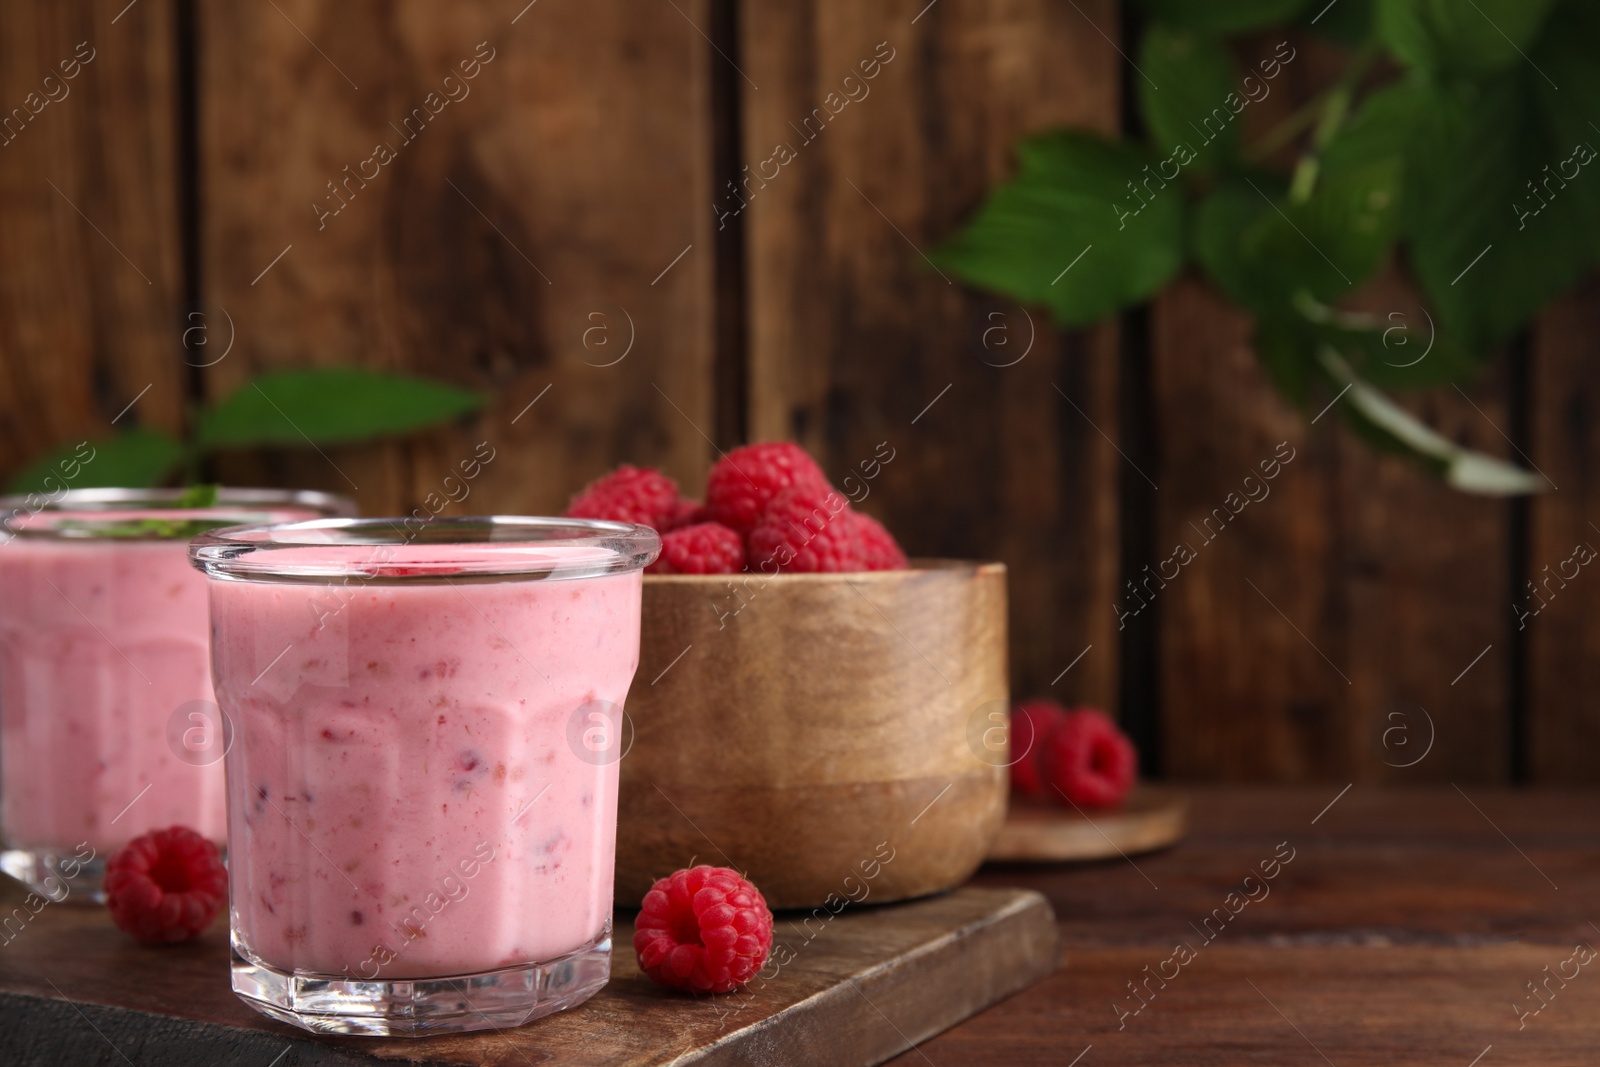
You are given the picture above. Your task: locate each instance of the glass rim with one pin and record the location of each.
(89, 510)
(277, 552)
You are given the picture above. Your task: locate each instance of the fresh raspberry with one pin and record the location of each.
(1032, 724)
(744, 482)
(628, 494)
(1089, 760)
(166, 886)
(689, 513)
(806, 530)
(705, 930)
(705, 548)
(879, 550)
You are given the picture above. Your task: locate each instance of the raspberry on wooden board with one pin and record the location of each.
(166, 886)
(703, 930)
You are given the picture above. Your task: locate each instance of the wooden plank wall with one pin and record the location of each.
(857, 339)
(571, 202)
(1322, 632)
(519, 240)
(92, 289)
(1563, 643)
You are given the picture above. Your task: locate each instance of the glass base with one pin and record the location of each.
(45, 872)
(414, 1007)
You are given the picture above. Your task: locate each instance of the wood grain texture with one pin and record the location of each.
(856, 339)
(1349, 600)
(1149, 819)
(1382, 867)
(854, 989)
(1563, 643)
(1398, 1007)
(90, 302)
(821, 733)
(520, 237)
(1295, 636)
(1402, 932)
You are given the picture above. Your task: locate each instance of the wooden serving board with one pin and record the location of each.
(859, 988)
(1149, 819)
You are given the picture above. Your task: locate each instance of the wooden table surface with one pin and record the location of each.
(1404, 930)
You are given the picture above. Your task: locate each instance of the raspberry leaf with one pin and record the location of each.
(329, 406)
(1453, 37)
(137, 459)
(1184, 94)
(1347, 22)
(1488, 248)
(1086, 227)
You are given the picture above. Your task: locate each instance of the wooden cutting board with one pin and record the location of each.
(860, 987)
(1150, 818)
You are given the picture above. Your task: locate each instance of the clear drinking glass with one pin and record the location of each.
(108, 727)
(422, 785)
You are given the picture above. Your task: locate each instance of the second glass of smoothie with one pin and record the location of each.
(422, 785)
(108, 727)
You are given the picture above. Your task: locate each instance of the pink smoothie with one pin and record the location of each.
(100, 642)
(103, 641)
(404, 795)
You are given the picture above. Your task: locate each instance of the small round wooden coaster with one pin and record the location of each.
(1149, 819)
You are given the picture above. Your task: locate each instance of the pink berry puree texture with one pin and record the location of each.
(101, 642)
(405, 797)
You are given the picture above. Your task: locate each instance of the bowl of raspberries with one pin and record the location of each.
(802, 703)
(768, 509)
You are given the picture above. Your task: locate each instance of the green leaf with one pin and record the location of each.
(1488, 250)
(1266, 250)
(1399, 349)
(137, 459)
(1346, 22)
(1231, 211)
(1570, 99)
(1384, 126)
(1088, 226)
(329, 406)
(198, 496)
(1224, 16)
(146, 529)
(1405, 354)
(1385, 422)
(1386, 351)
(1196, 78)
(1335, 240)
(1342, 232)
(1460, 36)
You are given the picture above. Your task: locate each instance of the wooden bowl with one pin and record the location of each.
(814, 731)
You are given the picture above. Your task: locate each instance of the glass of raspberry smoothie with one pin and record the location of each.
(422, 785)
(108, 727)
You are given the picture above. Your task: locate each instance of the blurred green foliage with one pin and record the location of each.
(1457, 141)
